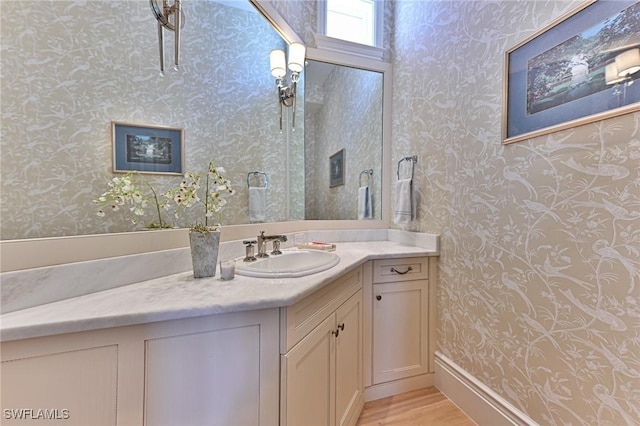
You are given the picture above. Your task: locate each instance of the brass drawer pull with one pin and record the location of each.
(401, 273)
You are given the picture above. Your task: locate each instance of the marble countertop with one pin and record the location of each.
(180, 296)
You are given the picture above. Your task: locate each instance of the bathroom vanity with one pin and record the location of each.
(251, 351)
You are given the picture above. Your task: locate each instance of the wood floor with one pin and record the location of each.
(428, 407)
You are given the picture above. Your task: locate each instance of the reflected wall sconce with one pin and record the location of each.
(286, 92)
(620, 71)
(628, 62)
(611, 74)
(169, 17)
(625, 64)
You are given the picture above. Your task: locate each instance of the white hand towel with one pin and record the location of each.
(257, 204)
(365, 210)
(404, 210)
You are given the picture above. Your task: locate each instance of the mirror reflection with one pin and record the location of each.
(343, 142)
(65, 79)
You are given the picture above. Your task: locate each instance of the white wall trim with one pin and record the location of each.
(399, 386)
(478, 401)
(324, 42)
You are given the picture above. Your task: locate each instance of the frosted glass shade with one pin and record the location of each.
(628, 62)
(296, 57)
(278, 63)
(611, 74)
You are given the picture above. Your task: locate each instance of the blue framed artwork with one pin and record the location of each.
(147, 149)
(336, 169)
(579, 69)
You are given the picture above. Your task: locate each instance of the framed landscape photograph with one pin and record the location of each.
(147, 149)
(579, 69)
(336, 169)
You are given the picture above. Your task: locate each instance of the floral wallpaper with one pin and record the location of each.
(65, 76)
(539, 293)
(348, 115)
(539, 290)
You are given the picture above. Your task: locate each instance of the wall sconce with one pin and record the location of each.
(163, 16)
(286, 93)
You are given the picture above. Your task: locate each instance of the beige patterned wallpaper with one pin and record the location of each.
(70, 67)
(539, 294)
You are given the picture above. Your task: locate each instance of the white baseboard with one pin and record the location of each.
(395, 387)
(481, 404)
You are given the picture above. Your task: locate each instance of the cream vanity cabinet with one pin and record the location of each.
(321, 361)
(213, 370)
(401, 324)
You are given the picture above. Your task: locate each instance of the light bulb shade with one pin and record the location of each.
(628, 62)
(296, 57)
(278, 63)
(611, 74)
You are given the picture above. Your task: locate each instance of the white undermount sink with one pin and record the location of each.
(289, 264)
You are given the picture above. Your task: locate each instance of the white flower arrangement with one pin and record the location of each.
(216, 187)
(125, 192)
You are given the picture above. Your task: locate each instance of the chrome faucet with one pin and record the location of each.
(262, 244)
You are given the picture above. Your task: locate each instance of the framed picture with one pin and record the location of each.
(336, 169)
(577, 70)
(147, 149)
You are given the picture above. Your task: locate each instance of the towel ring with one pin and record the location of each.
(256, 173)
(369, 174)
(413, 159)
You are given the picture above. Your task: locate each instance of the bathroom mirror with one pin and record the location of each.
(343, 114)
(65, 80)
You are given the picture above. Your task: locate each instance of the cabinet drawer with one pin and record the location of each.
(302, 317)
(404, 269)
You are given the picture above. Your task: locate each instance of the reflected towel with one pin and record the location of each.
(365, 209)
(257, 204)
(404, 210)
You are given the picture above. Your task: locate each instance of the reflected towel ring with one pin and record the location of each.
(369, 174)
(257, 173)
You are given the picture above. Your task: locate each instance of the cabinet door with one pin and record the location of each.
(76, 387)
(400, 337)
(349, 382)
(210, 378)
(308, 388)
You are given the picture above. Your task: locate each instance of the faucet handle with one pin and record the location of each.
(276, 247)
(249, 256)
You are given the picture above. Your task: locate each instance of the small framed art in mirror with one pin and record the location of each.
(336, 169)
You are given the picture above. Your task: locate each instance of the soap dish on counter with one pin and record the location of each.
(316, 246)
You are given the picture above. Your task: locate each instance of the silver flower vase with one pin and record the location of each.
(204, 252)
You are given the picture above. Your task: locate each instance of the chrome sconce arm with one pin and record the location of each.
(163, 15)
(287, 96)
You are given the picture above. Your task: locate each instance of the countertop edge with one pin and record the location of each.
(31, 327)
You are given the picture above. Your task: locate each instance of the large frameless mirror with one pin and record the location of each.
(65, 80)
